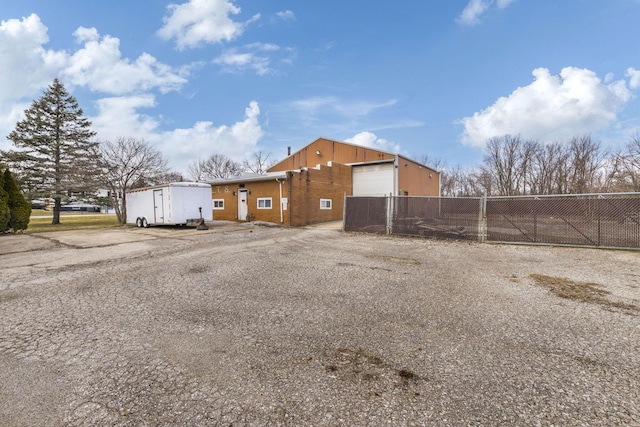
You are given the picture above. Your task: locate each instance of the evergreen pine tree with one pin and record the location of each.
(19, 207)
(56, 154)
(5, 213)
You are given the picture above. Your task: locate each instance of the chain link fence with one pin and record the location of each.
(457, 218)
(600, 220)
(368, 214)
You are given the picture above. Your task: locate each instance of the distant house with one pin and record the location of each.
(310, 185)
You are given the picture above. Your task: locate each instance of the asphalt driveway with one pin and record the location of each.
(251, 325)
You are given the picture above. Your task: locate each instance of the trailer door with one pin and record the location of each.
(158, 207)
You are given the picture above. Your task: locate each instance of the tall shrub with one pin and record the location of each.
(5, 213)
(19, 207)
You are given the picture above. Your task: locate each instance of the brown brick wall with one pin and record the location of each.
(224, 192)
(303, 189)
(256, 189)
(311, 185)
(265, 189)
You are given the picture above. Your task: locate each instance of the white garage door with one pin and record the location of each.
(373, 180)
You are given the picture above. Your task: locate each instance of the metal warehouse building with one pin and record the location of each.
(309, 186)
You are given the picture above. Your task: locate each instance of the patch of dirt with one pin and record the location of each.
(592, 293)
(197, 268)
(397, 260)
(356, 364)
(349, 264)
(8, 295)
(362, 365)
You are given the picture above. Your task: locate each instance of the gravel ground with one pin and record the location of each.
(250, 325)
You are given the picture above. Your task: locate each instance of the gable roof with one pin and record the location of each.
(301, 157)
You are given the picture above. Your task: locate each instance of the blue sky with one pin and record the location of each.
(434, 78)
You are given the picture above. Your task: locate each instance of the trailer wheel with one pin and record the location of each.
(139, 222)
(145, 223)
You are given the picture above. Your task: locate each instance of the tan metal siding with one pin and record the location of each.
(330, 151)
(416, 179)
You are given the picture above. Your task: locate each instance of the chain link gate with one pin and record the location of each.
(603, 220)
(441, 217)
(600, 220)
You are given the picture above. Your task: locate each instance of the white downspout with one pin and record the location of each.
(281, 215)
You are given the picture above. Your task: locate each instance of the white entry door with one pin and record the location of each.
(243, 207)
(158, 205)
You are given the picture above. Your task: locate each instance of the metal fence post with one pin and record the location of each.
(482, 219)
(389, 213)
(344, 211)
(535, 219)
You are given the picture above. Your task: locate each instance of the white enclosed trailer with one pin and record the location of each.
(175, 203)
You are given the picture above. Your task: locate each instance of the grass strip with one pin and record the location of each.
(42, 224)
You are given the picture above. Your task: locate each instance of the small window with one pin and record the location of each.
(264, 203)
(325, 203)
(218, 204)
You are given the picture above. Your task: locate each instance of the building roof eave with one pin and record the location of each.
(241, 179)
(373, 162)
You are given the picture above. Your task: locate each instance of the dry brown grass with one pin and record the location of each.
(41, 224)
(593, 293)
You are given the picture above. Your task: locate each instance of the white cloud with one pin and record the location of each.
(332, 115)
(371, 140)
(9, 115)
(552, 107)
(474, 10)
(286, 15)
(330, 104)
(634, 78)
(202, 21)
(27, 66)
(120, 116)
(234, 61)
(203, 139)
(99, 66)
(256, 57)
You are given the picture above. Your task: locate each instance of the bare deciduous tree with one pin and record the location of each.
(506, 160)
(459, 182)
(519, 167)
(216, 166)
(435, 163)
(586, 164)
(547, 171)
(128, 163)
(626, 165)
(196, 170)
(171, 176)
(259, 162)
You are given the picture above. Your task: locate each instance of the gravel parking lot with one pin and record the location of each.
(254, 325)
